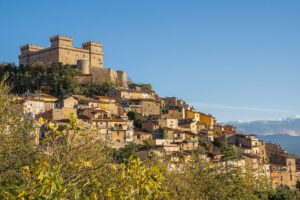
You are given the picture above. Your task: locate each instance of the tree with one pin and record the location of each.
(57, 79)
(148, 86)
(129, 81)
(136, 117)
(15, 147)
(70, 163)
(138, 181)
(229, 152)
(123, 154)
(149, 142)
(282, 193)
(204, 180)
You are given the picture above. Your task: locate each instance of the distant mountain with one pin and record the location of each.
(285, 132)
(289, 126)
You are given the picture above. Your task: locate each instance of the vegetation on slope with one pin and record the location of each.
(73, 163)
(58, 80)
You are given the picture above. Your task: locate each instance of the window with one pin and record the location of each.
(291, 177)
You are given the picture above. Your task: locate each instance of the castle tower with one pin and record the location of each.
(95, 53)
(29, 48)
(26, 51)
(61, 41)
(84, 66)
(121, 77)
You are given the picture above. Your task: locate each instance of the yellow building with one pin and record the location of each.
(108, 103)
(191, 114)
(207, 119)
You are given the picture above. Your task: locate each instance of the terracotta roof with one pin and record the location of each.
(251, 155)
(111, 120)
(84, 98)
(277, 165)
(38, 97)
(149, 100)
(104, 97)
(44, 95)
(141, 131)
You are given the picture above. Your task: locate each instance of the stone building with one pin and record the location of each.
(173, 101)
(146, 107)
(128, 94)
(89, 59)
(79, 101)
(249, 144)
(174, 112)
(35, 104)
(283, 166)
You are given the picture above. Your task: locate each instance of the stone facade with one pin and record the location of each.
(89, 58)
(283, 166)
(146, 107)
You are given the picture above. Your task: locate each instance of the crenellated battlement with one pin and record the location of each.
(31, 46)
(91, 43)
(61, 37)
(60, 40)
(92, 46)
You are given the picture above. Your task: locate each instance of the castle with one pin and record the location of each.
(89, 59)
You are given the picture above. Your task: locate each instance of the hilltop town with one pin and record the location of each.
(131, 114)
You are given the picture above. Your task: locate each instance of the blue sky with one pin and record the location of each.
(238, 60)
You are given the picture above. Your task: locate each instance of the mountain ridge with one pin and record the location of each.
(289, 126)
